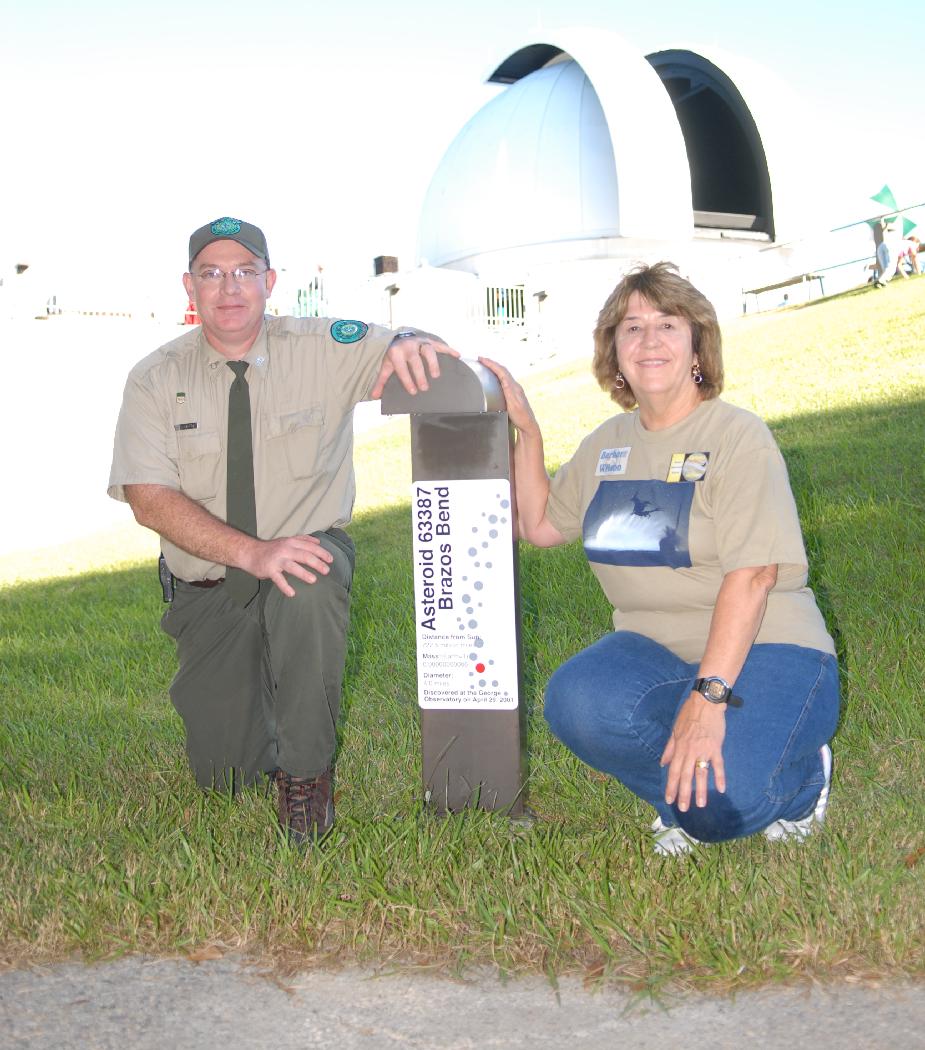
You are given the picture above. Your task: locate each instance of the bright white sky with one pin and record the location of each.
(126, 125)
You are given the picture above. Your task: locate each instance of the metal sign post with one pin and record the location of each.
(465, 586)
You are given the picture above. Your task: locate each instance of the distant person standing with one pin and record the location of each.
(235, 444)
(888, 239)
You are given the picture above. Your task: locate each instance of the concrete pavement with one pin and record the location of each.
(142, 1003)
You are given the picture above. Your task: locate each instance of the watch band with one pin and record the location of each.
(702, 686)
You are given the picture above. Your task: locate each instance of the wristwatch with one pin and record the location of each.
(404, 334)
(717, 690)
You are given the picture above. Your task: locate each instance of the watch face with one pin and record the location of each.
(716, 690)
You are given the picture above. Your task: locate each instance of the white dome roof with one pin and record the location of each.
(535, 165)
(586, 147)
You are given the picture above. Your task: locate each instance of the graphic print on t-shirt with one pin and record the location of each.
(639, 523)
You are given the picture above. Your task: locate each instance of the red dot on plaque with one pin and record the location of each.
(480, 668)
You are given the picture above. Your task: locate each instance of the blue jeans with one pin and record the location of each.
(614, 704)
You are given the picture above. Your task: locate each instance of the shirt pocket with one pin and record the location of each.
(199, 461)
(299, 434)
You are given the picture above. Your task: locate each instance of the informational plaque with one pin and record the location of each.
(466, 601)
(464, 594)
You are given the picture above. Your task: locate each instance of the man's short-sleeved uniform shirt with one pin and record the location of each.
(665, 514)
(305, 375)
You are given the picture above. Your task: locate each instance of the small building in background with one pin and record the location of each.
(26, 292)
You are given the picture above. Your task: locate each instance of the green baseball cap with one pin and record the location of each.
(228, 229)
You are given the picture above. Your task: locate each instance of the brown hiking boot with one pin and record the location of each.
(305, 806)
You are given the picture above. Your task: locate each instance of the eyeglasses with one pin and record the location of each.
(241, 275)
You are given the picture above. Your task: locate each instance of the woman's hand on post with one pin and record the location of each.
(694, 748)
(518, 407)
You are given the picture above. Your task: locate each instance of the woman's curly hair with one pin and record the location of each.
(666, 290)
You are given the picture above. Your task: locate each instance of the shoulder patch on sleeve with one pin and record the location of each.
(348, 331)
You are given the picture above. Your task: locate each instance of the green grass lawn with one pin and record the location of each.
(108, 847)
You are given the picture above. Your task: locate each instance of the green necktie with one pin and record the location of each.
(242, 504)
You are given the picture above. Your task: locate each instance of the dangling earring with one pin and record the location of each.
(618, 381)
(696, 374)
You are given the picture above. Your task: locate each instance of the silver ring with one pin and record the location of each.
(703, 764)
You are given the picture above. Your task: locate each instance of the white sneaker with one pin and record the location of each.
(672, 841)
(781, 830)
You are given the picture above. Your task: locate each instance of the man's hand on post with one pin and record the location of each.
(406, 357)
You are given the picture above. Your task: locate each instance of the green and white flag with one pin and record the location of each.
(886, 198)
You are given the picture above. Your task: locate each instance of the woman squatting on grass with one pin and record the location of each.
(716, 695)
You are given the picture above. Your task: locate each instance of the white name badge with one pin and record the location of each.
(612, 461)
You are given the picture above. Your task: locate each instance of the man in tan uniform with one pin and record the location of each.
(261, 653)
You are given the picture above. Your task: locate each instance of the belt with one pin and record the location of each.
(205, 583)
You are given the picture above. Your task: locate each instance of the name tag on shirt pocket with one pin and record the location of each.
(199, 455)
(300, 434)
(612, 461)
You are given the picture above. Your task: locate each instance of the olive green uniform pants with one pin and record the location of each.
(259, 688)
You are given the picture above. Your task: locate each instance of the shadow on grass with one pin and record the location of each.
(858, 480)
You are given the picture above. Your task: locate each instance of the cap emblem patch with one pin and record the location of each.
(225, 227)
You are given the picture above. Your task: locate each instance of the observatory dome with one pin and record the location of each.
(583, 146)
(535, 165)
